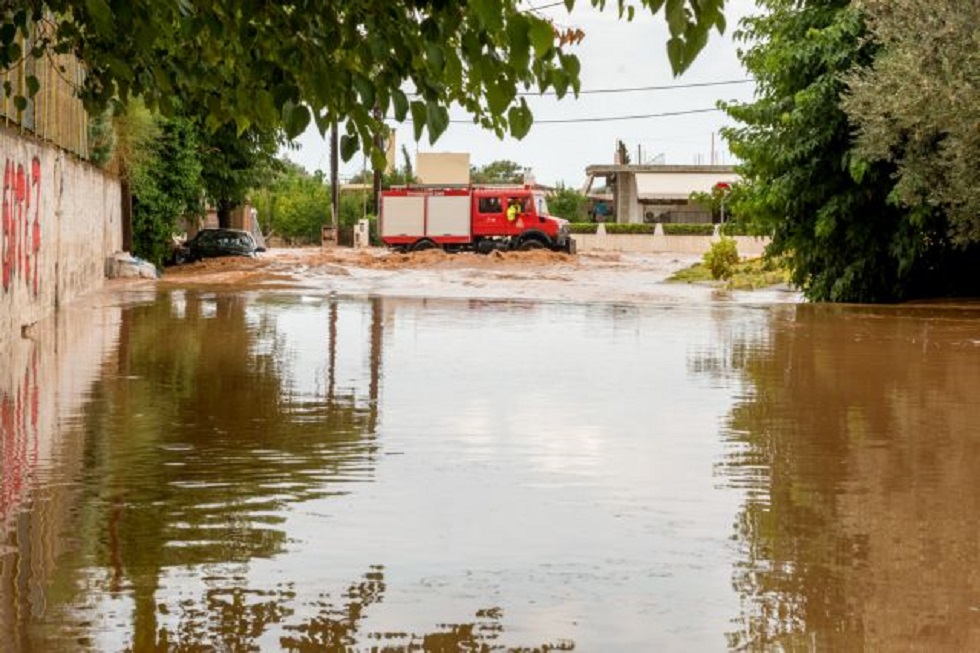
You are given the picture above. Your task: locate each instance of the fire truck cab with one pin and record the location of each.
(475, 218)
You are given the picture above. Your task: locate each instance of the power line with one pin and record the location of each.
(642, 116)
(547, 6)
(635, 89)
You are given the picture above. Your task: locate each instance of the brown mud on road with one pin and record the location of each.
(535, 275)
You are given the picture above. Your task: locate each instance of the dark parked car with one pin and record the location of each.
(217, 242)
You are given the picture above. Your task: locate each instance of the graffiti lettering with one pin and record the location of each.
(18, 440)
(20, 237)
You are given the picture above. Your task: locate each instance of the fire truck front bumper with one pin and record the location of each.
(564, 241)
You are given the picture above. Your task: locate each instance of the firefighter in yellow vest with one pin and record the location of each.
(513, 209)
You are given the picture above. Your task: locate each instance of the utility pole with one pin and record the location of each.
(334, 178)
(376, 190)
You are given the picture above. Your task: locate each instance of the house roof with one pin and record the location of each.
(604, 169)
(666, 182)
(679, 185)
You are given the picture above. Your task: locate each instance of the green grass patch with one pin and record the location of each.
(758, 273)
(697, 273)
(750, 274)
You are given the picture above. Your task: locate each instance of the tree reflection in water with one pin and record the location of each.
(857, 446)
(193, 447)
(235, 619)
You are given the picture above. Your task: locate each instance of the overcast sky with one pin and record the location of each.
(615, 54)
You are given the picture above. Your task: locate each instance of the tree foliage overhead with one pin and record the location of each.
(267, 63)
(918, 106)
(828, 210)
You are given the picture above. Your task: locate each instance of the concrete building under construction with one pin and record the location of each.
(658, 193)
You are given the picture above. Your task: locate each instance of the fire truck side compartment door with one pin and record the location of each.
(449, 215)
(402, 216)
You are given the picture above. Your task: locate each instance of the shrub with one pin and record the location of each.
(682, 229)
(722, 258)
(645, 228)
(615, 228)
(734, 229)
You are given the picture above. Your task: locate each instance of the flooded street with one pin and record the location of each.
(190, 468)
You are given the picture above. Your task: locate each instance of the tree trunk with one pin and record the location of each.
(224, 209)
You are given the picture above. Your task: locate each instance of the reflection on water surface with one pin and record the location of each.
(859, 441)
(199, 471)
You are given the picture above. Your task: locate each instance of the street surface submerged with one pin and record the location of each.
(319, 453)
(537, 275)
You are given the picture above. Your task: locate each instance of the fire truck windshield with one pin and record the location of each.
(542, 205)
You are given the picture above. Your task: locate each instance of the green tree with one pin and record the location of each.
(355, 205)
(400, 176)
(164, 169)
(498, 172)
(285, 64)
(234, 163)
(568, 203)
(827, 209)
(294, 205)
(407, 169)
(622, 154)
(171, 164)
(718, 202)
(918, 106)
(397, 177)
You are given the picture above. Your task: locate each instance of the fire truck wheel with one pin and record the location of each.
(528, 245)
(423, 245)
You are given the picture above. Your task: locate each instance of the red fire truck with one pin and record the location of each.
(471, 218)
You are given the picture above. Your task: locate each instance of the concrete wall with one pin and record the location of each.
(60, 220)
(625, 199)
(748, 246)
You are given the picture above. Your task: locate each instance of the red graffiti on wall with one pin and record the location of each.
(20, 238)
(18, 440)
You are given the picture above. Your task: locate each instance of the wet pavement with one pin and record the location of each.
(188, 468)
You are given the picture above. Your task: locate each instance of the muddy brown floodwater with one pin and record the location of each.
(536, 275)
(354, 452)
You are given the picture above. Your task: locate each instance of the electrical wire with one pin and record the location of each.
(547, 6)
(633, 89)
(637, 89)
(644, 116)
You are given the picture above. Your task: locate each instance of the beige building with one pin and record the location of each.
(659, 193)
(443, 168)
